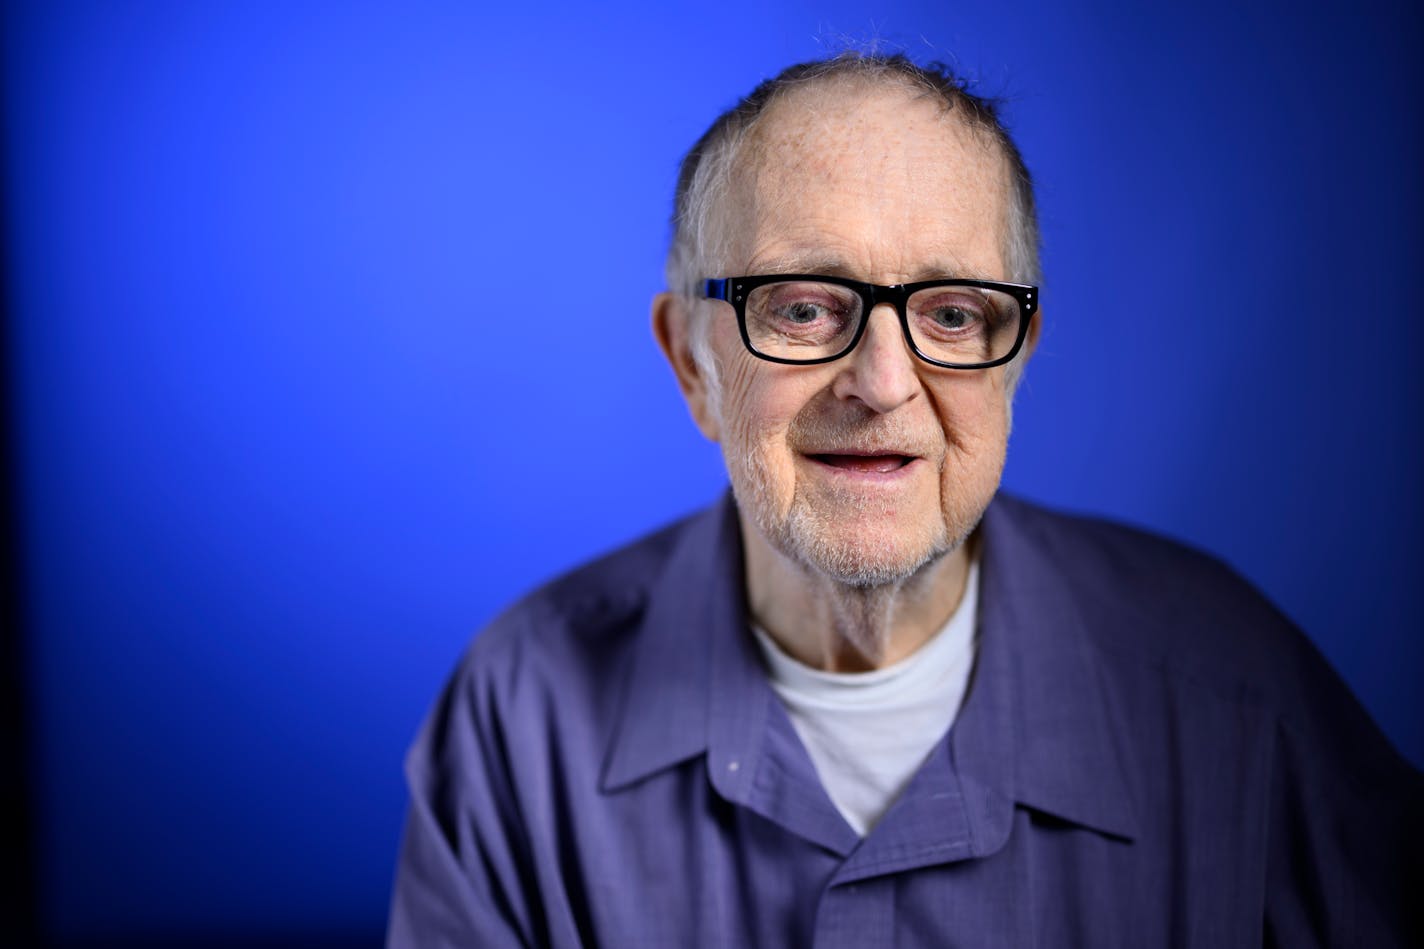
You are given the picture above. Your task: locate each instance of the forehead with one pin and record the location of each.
(881, 182)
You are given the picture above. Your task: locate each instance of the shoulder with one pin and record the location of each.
(1152, 603)
(1130, 574)
(573, 621)
(539, 690)
(572, 633)
(1162, 611)
(584, 607)
(1088, 545)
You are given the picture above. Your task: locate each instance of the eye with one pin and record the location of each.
(952, 317)
(951, 314)
(802, 312)
(803, 307)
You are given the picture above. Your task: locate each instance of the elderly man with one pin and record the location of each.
(864, 701)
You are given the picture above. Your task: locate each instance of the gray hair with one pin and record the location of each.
(705, 172)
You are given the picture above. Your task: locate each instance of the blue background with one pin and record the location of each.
(328, 336)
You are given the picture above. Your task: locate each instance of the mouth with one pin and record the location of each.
(864, 463)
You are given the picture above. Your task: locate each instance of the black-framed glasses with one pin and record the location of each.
(811, 318)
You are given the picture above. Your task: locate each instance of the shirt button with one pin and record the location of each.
(733, 765)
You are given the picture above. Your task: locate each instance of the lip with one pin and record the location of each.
(865, 471)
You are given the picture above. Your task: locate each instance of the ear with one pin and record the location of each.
(672, 328)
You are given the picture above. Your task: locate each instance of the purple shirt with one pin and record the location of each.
(1149, 755)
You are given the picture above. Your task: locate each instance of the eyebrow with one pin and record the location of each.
(832, 266)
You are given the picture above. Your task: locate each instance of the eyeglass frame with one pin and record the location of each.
(872, 295)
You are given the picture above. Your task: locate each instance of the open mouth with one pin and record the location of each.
(866, 464)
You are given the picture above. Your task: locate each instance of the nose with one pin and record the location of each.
(881, 371)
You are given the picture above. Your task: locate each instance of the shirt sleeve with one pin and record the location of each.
(463, 872)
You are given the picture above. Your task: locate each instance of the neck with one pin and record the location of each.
(832, 626)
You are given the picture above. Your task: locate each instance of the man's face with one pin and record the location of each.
(867, 468)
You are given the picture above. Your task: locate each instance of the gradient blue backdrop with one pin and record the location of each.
(328, 337)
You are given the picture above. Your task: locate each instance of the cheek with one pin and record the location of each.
(976, 441)
(972, 413)
(759, 403)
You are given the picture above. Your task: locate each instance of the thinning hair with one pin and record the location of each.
(705, 173)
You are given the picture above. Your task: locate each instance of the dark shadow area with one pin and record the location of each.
(373, 940)
(16, 839)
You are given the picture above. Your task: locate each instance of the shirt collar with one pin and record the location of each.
(1035, 687)
(695, 604)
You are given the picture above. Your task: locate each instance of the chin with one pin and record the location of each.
(863, 558)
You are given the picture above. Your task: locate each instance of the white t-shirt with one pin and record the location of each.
(869, 732)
